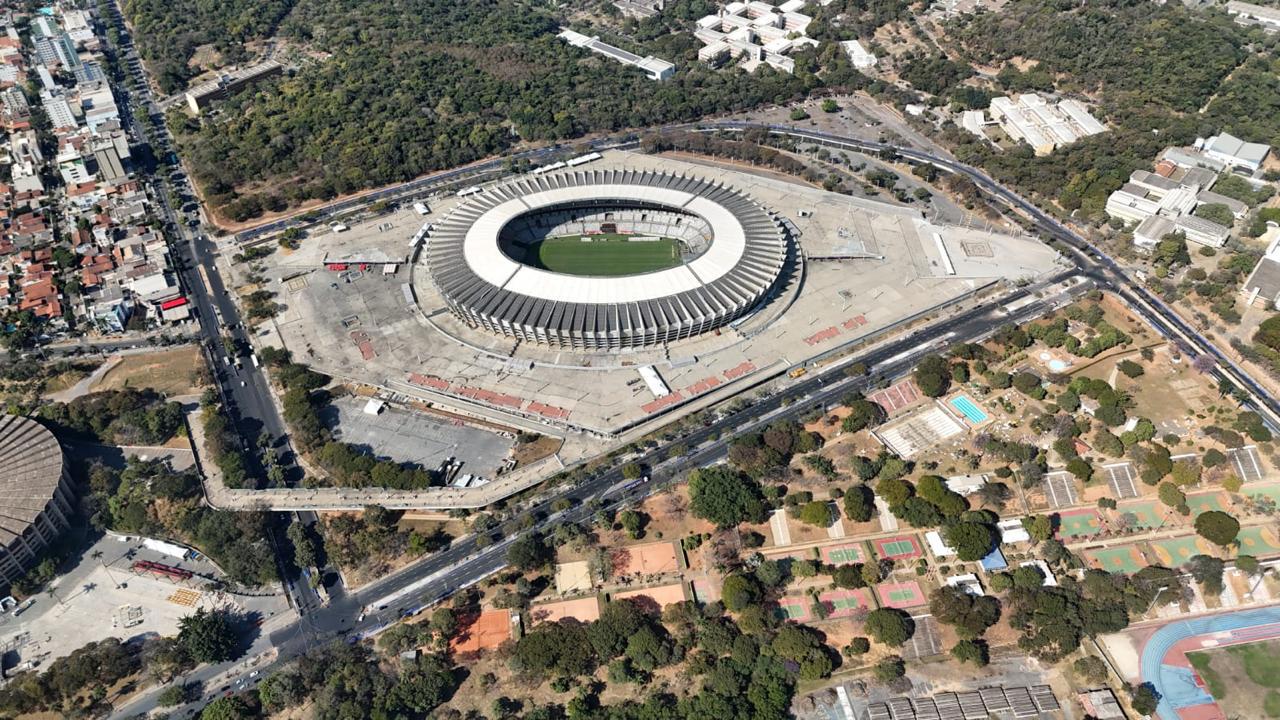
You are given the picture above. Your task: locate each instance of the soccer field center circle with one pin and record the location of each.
(738, 251)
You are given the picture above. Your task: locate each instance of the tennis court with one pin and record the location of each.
(1205, 502)
(896, 548)
(585, 609)
(844, 603)
(705, 591)
(482, 631)
(1172, 552)
(843, 554)
(1120, 477)
(896, 396)
(1078, 523)
(1259, 541)
(1146, 514)
(795, 607)
(901, 595)
(1060, 489)
(1271, 490)
(661, 596)
(1247, 463)
(1125, 559)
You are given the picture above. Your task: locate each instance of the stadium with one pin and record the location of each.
(35, 494)
(605, 259)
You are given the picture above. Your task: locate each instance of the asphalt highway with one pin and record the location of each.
(243, 387)
(362, 614)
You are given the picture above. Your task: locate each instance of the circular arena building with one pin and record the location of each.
(35, 494)
(605, 259)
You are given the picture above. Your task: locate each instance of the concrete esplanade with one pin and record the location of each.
(35, 494)
(741, 251)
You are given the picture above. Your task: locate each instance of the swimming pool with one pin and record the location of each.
(969, 409)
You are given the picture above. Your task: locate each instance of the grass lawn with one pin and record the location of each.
(605, 256)
(1261, 662)
(1271, 704)
(1201, 662)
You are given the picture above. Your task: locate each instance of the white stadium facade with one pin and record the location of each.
(733, 253)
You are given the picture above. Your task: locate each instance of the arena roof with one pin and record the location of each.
(30, 470)
(485, 286)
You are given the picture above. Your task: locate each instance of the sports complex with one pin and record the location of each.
(605, 259)
(600, 300)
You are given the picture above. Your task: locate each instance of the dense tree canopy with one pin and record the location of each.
(725, 496)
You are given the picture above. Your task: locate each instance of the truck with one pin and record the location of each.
(798, 372)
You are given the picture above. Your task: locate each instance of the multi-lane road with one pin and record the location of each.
(244, 389)
(466, 561)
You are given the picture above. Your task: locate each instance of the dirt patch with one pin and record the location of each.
(177, 371)
(530, 452)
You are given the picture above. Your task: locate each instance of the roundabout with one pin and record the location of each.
(605, 259)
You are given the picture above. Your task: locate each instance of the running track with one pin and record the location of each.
(1165, 666)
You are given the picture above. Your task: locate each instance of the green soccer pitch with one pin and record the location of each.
(607, 255)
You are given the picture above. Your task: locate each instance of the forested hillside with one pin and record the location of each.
(169, 31)
(418, 85)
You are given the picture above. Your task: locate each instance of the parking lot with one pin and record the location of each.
(408, 436)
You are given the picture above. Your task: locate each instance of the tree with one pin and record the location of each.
(862, 413)
(974, 651)
(894, 491)
(1130, 368)
(1091, 669)
(529, 552)
(1171, 496)
(305, 547)
(859, 503)
(1208, 572)
(232, 707)
(802, 645)
(971, 540)
(725, 496)
(817, 513)
(1080, 468)
(633, 522)
(889, 669)
(739, 591)
(1171, 250)
(175, 694)
(871, 573)
(632, 471)
(1145, 699)
(970, 615)
(1039, 527)
(848, 576)
(858, 646)
(208, 637)
(889, 626)
(933, 376)
(1217, 527)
